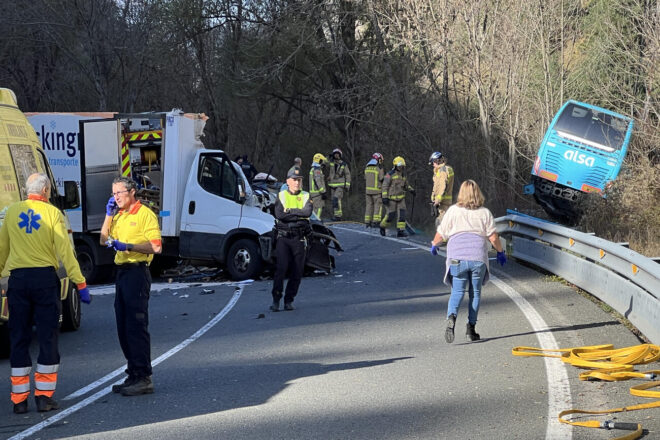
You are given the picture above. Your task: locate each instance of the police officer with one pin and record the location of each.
(131, 229)
(292, 211)
(33, 238)
(317, 188)
(339, 181)
(443, 185)
(297, 162)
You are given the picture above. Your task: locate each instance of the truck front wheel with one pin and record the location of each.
(244, 260)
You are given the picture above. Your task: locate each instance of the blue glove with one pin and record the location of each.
(111, 206)
(386, 201)
(84, 295)
(434, 250)
(119, 246)
(501, 258)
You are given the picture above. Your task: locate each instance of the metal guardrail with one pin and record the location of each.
(625, 280)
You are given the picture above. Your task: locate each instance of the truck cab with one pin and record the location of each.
(21, 155)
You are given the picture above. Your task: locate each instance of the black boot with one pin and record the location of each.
(142, 385)
(130, 380)
(401, 233)
(21, 407)
(471, 334)
(275, 307)
(449, 332)
(382, 231)
(45, 403)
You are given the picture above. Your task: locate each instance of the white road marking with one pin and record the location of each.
(559, 389)
(94, 397)
(109, 289)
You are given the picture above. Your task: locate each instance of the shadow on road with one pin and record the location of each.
(553, 330)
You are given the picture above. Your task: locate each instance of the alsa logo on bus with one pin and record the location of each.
(580, 158)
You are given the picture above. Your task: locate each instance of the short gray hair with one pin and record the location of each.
(128, 183)
(36, 183)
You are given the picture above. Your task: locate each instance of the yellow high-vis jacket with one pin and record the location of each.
(34, 234)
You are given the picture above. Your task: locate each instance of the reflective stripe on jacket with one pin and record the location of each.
(340, 175)
(395, 185)
(373, 175)
(443, 185)
(316, 181)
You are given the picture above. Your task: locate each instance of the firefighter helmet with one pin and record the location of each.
(399, 161)
(318, 158)
(435, 156)
(336, 150)
(377, 156)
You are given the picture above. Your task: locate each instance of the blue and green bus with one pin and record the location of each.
(582, 152)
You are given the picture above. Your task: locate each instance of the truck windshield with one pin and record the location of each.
(591, 127)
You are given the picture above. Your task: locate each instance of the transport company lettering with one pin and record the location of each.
(58, 141)
(579, 158)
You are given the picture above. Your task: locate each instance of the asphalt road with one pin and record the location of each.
(363, 356)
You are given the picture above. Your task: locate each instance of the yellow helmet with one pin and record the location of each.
(398, 161)
(318, 158)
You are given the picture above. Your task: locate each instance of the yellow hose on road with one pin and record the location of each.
(606, 363)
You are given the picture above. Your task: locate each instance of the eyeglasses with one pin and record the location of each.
(118, 192)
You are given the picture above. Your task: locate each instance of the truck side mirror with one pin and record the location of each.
(241, 192)
(71, 195)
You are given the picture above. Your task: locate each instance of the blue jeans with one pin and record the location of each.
(466, 275)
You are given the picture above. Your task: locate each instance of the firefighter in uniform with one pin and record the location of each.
(292, 211)
(33, 238)
(443, 185)
(373, 175)
(317, 188)
(339, 181)
(133, 233)
(395, 186)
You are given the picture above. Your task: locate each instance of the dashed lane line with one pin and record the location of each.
(94, 397)
(559, 389)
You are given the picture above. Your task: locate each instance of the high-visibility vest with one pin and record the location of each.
(293, 201)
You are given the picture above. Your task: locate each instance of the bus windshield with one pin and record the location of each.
(594, 128)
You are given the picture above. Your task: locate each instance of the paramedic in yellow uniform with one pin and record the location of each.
(131, 229)
(33, 239)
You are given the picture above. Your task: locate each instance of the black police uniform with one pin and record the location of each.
(292, 229)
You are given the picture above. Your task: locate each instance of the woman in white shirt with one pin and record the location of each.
(469, 227)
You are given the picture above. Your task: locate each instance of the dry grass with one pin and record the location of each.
(631, 211)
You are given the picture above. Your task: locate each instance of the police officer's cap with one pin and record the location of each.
(294, 173)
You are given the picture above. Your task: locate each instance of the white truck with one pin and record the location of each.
(206, 207)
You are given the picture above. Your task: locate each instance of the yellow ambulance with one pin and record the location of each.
(21, 154)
